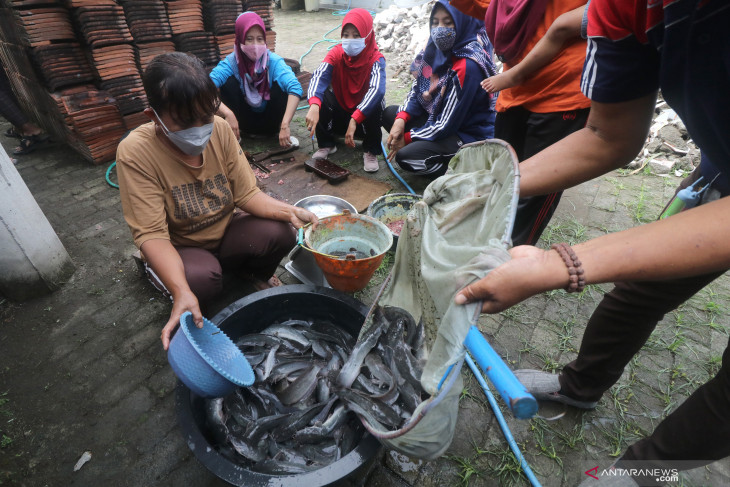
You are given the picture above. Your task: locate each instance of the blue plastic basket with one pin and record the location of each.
(206, 359)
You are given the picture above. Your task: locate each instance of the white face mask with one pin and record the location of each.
(191, 141)
(353, 47)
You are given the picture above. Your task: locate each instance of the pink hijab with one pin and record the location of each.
(511, 24)
(254, 74)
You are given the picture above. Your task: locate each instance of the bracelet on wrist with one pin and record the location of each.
(576, 274)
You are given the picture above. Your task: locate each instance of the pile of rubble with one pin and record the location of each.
(402, 33)
(668, 148)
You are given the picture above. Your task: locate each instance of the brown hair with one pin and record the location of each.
(176, 83)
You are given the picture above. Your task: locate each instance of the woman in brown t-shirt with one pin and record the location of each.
(183, 179)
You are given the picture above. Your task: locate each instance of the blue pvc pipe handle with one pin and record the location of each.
(522, 404)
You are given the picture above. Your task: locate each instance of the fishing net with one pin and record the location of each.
(457, 234)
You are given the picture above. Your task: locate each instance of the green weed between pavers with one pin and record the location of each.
(516, 313)
(619, 435)
(717, 327)
(712, 365)
(466, 394)
(494, 463)
(569, 230)
(574, 437)
(565, 335)
(665, 395)
(670, 183)
(549, 363)
(467, 470)
(639, 206)
(677, 341)
(466, 390)
(545, 446)
(713, 307)
(618, 186)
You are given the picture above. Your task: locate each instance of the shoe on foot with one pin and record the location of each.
(370, 162)
(546, 387)
(323, 152)
(13, 134)
(29, 143)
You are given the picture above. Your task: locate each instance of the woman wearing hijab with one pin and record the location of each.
(544, 109)
(446, 106)
(190, 198)
(346, 94)
(259, 91)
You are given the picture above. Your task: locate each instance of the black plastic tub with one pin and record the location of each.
(251, 315)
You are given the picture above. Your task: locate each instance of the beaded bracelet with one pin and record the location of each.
(576, 276)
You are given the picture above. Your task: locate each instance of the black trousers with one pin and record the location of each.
(9, 108)
(267, 122)
(529, 133)
(423, 157)
(698, 431)
(334, 119)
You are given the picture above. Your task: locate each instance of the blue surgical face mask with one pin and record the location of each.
(353, 47)
(443, 37)
(191, 141)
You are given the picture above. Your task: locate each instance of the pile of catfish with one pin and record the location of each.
(310, 377)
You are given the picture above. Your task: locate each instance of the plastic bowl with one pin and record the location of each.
(252, 314)
(206, 359)
(392, 208)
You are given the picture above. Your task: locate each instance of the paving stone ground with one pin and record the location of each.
(83, 369)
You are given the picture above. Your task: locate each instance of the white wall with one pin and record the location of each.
(33, 260)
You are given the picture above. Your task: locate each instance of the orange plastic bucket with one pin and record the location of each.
(349, 249)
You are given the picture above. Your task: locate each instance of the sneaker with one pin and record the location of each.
(323, 152)
(546, 387)
(370, 162)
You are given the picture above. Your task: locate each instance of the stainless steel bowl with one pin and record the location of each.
(301, 264)
(324, 205)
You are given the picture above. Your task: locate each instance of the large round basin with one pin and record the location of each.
(252, 314)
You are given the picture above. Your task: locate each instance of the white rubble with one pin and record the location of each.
(668, 145)
(402, 33)
(661, 166)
